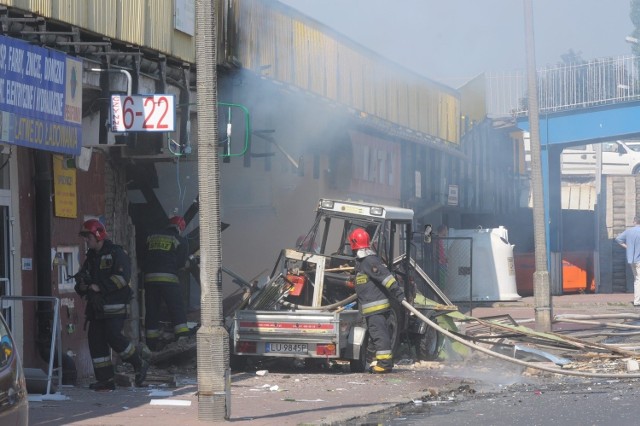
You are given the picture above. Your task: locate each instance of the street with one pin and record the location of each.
(558, 402)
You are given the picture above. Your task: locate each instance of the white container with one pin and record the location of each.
(480, 266)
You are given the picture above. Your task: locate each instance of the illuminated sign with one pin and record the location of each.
(142, 113)
(40, 97)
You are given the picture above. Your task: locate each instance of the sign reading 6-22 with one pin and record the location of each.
(142, 113)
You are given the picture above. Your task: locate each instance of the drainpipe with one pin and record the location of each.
(43, 215)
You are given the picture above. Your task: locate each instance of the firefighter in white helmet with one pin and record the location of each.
(374, 285)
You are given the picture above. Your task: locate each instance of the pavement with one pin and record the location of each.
(294, 395)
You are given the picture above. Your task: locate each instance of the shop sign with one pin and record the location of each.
(64, 189)
(40, 97)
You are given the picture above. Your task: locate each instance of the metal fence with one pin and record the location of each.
(577, 85)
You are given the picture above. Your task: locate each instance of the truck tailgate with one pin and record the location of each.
(294, 333)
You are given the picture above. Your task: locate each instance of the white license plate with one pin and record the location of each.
(286, 348)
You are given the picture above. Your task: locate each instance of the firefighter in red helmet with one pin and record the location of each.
(374, 285)
(167, 252)
(103, 280)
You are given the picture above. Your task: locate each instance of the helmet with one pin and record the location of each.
(359, 239)
(178, 221)
(95, 228)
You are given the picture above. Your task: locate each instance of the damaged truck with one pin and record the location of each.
(307, 309)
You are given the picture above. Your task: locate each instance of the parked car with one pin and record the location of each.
(14, 402)
(618, 158)
(633, 144)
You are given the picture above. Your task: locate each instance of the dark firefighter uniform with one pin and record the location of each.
(106, 311)
(167, 253)
(374, 283)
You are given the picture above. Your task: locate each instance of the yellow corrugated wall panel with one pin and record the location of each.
(331, 67)
(367, 67)
(132, 18)
(39, 7)
(102, 16)
(295, 51)
(73, 11)
(403, 105)
(159, 15)
(317, 66)
(382, 102)
(301, 55)
(281, 50)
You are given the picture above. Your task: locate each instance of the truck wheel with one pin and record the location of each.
(395, 321)
(428, 345)
(367, 353)
(237, 362)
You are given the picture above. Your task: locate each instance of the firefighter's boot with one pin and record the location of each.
(141, 372)
(103, 386)
(376, 369)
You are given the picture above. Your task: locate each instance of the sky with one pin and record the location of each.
(453, 41)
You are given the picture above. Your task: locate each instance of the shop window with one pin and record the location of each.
(67, 264)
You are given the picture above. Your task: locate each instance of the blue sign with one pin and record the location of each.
(40, 98)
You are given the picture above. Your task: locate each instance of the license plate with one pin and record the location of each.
(286, 348)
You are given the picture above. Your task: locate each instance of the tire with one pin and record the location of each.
(394, 321)
(428, 345)
(237, 362)
(367, 353)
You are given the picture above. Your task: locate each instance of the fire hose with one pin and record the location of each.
(339, 304)
(489, 352)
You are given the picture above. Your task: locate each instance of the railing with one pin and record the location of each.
(577, 85)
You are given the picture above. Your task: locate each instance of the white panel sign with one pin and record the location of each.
(185, 16)
(143, 113)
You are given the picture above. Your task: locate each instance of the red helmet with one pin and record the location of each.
(359, 239)
(95, 228)
(178, 221)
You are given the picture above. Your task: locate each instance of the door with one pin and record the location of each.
(6, 247)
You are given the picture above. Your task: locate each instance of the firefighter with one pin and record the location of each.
(374, 284)
(167, 253)
(103, 280)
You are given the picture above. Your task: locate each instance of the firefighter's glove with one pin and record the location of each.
(83, 280)
(193, 261)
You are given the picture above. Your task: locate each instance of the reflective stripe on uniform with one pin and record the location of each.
(377, 306)
(388, 282)
(128, 352)
(116, 308)
(383, 355)
(181, 328)
(101, 362)
(153, 334)
(362, 278)
(163, 277)
(119, 281)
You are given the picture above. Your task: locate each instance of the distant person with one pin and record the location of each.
(630, 240)
(374, 285)
(103, 280)
(441, 254)
(167, 253)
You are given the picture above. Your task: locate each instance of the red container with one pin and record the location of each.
(298, 284)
